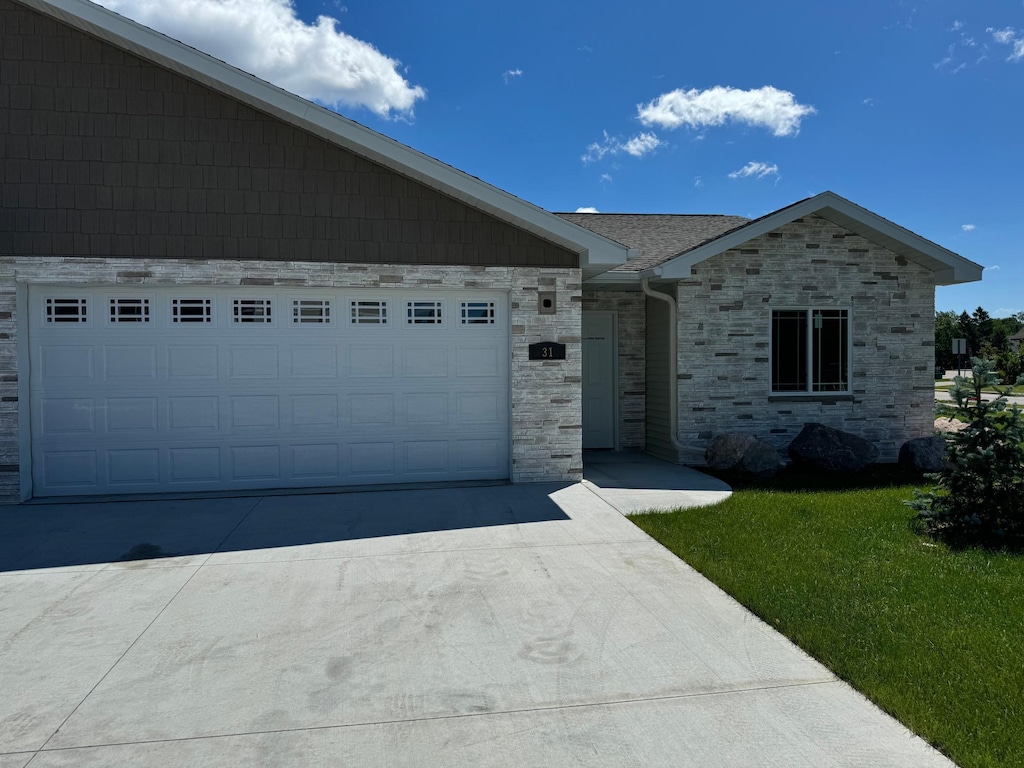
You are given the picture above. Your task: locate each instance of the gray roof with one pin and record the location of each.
(657, 237)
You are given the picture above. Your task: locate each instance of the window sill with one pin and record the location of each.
(818, 397)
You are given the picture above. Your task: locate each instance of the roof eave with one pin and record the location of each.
(949, 268)
(595, 252)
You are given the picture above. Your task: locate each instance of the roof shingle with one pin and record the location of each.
(657, 237)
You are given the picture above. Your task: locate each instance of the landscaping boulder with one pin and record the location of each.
(832, 449)
(761, 459)
(745, 453)
(944, 424)
(726, 451)
(924, 454)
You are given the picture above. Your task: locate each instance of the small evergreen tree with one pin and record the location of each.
(979, 496)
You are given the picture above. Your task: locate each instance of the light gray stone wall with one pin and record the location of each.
(724, 333)
(546, 403)
(632, 380)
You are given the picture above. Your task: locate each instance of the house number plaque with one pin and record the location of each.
(547, 350)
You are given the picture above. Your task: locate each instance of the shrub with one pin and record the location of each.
(979, 496)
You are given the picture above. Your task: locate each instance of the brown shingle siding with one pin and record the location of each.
(147, 163)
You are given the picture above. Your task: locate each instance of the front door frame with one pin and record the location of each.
(614, 315)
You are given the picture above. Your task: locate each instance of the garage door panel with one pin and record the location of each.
(133, 467)
(214, 404)
(252, 362)
(132, 414)
(188, 362)
(315, 411)
(313, 461)
(65, 364)
(68, 416)
(319, 362)
(195, 466)
(129, 364)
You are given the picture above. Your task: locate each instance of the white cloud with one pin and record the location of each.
(698, 182)
(638, 146)
(967, 227)
(993, 268)
(511, 74)
(759, 170)
(641, 144)
(957, 25)
(869, 102)
(587, 209)
(1008, 36)
(266, 37)
(606, 178)
(765, 107)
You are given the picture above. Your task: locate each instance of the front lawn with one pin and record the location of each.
(933, 636)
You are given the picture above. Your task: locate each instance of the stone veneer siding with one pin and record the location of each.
(725, 327)
(545, 397)
(630, 308)
(105, 154)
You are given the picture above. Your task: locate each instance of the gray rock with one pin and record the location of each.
(944, 424)
(832, 449)
(737, 451)
(924, 454)
(726, 451)
(761, 459)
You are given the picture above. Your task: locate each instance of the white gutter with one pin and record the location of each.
(673, 364)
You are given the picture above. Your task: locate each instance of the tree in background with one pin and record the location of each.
(986, 336)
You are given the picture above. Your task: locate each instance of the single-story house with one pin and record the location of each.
(208, 283)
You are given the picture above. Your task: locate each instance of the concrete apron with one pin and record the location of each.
(512, 625)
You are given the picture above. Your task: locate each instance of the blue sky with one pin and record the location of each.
(910, 109)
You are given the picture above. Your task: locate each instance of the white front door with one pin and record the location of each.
(599, 380)
(140, 389)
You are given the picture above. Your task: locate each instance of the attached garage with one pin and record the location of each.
(188, 389)
(210, 284)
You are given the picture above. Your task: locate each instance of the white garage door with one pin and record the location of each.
(140, 390)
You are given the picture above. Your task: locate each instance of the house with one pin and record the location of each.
(207, 283)
(819, 312)
(1016, 340)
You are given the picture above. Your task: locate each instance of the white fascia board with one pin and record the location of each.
(949, 268)
(148, 44)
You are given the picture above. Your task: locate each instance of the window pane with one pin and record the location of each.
(830, 350)
(789, 350)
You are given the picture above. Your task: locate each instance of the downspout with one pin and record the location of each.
(673, 364)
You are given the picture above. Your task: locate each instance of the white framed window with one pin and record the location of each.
(423, 313)
(369, 312)
(191, 310)
(311, 311)
(129, 310)
(477, 313)
(810, 351)
(251, 310)
(67, 310)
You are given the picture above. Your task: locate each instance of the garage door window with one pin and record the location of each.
(423, 312)
(252, 310)
(191, 311)
(129, 310)
(311, 311)
(369, 313)
(66, 310)
(478, 313)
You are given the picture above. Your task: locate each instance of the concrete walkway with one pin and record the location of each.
(489, 626)
(635, 482)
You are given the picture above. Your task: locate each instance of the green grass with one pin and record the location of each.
(932, 635)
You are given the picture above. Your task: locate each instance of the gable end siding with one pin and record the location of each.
(105, 154)
(724, 329)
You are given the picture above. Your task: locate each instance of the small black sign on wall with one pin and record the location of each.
(547, 350)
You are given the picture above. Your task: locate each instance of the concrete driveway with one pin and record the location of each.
(484, 626)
